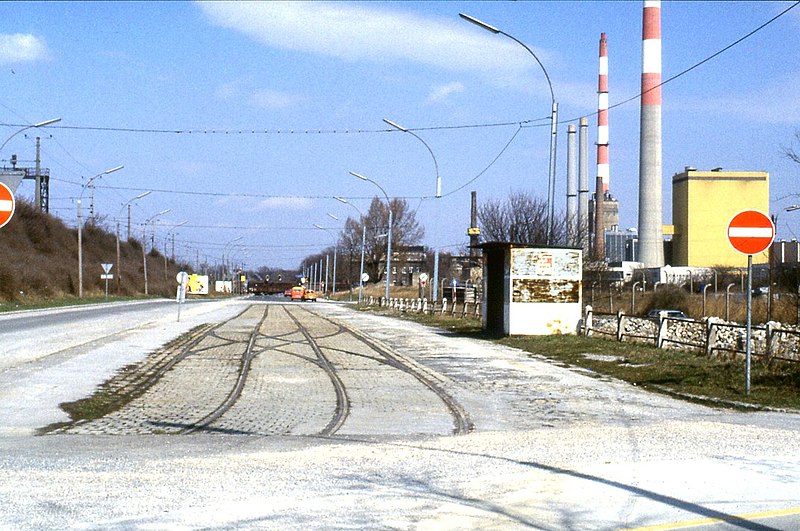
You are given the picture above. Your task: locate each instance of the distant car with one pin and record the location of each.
(310, 295)
(674, 314)
(287, 293)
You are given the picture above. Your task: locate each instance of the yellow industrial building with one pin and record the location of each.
(703, 202)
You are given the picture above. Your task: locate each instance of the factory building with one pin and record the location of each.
(703, 203)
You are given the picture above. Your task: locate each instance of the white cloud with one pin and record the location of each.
(272, 99)
(21, 48)
(285, 203)
(442, 92)
(363, 31)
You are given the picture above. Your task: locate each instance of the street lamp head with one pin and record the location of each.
(112, 170)
(792, 208)
(317, 226)
(47, 122)
(341, 199)
(479, 23)
(145, 194)
(354, 174)
(398, 127)
(332, 216)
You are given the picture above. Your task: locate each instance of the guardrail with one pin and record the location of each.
(422, 305)
(711, 335)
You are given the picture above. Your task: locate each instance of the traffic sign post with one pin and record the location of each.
(7, 204)
(750, 232)
(106, 276)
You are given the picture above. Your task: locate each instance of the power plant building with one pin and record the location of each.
(703, 203)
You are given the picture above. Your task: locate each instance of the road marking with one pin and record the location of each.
(707, 521)
(750, 232)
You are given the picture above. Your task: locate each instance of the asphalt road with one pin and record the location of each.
(547, 447)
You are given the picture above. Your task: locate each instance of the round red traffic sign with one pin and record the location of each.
(751, 232)
(7, 204)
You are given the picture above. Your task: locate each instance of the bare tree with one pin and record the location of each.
(405, 231)
(520, 218)
(790, 151)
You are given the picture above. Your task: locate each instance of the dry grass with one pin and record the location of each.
(39, 261)
(784, 307)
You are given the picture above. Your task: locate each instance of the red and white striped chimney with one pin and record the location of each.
(602, 115)
(651, 245)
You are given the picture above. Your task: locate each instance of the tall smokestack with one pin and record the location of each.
(583, 184)
(602, 115)
(572, 188)
(651, 246)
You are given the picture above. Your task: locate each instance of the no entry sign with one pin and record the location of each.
(751, 232)
(6, 204)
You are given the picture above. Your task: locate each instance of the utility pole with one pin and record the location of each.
(38, 176)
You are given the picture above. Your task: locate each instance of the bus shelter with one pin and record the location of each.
(531, 289)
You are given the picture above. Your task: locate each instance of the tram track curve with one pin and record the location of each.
(264, 372)
(461, 421)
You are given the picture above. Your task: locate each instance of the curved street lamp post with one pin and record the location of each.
(363, 245)
(80, 225)
(335, 252)
(128, 204)
(438, 198)
(144, 243)
(389, 235)
(551, 183)
(34, 126)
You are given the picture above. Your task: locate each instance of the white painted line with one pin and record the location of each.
(750, 232)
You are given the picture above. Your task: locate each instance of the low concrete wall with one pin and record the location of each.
(711, 335)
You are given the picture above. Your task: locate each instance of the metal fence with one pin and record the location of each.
(411, 305)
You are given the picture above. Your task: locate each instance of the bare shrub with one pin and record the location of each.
(669, 297)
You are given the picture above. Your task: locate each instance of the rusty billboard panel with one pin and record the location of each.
(546, 263)
(546, 290)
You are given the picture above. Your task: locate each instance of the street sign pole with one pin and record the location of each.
(748, 333)
(750, 232)
(106, 276)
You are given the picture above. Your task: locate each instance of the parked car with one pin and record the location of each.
(287, 293)
(673, 314)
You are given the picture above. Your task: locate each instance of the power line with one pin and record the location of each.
(252, 131)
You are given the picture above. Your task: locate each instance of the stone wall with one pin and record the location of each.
(711, 335)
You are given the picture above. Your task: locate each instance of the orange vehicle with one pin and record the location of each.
(310, 295)
(298, 292)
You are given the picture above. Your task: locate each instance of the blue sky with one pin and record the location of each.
(277, 102)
